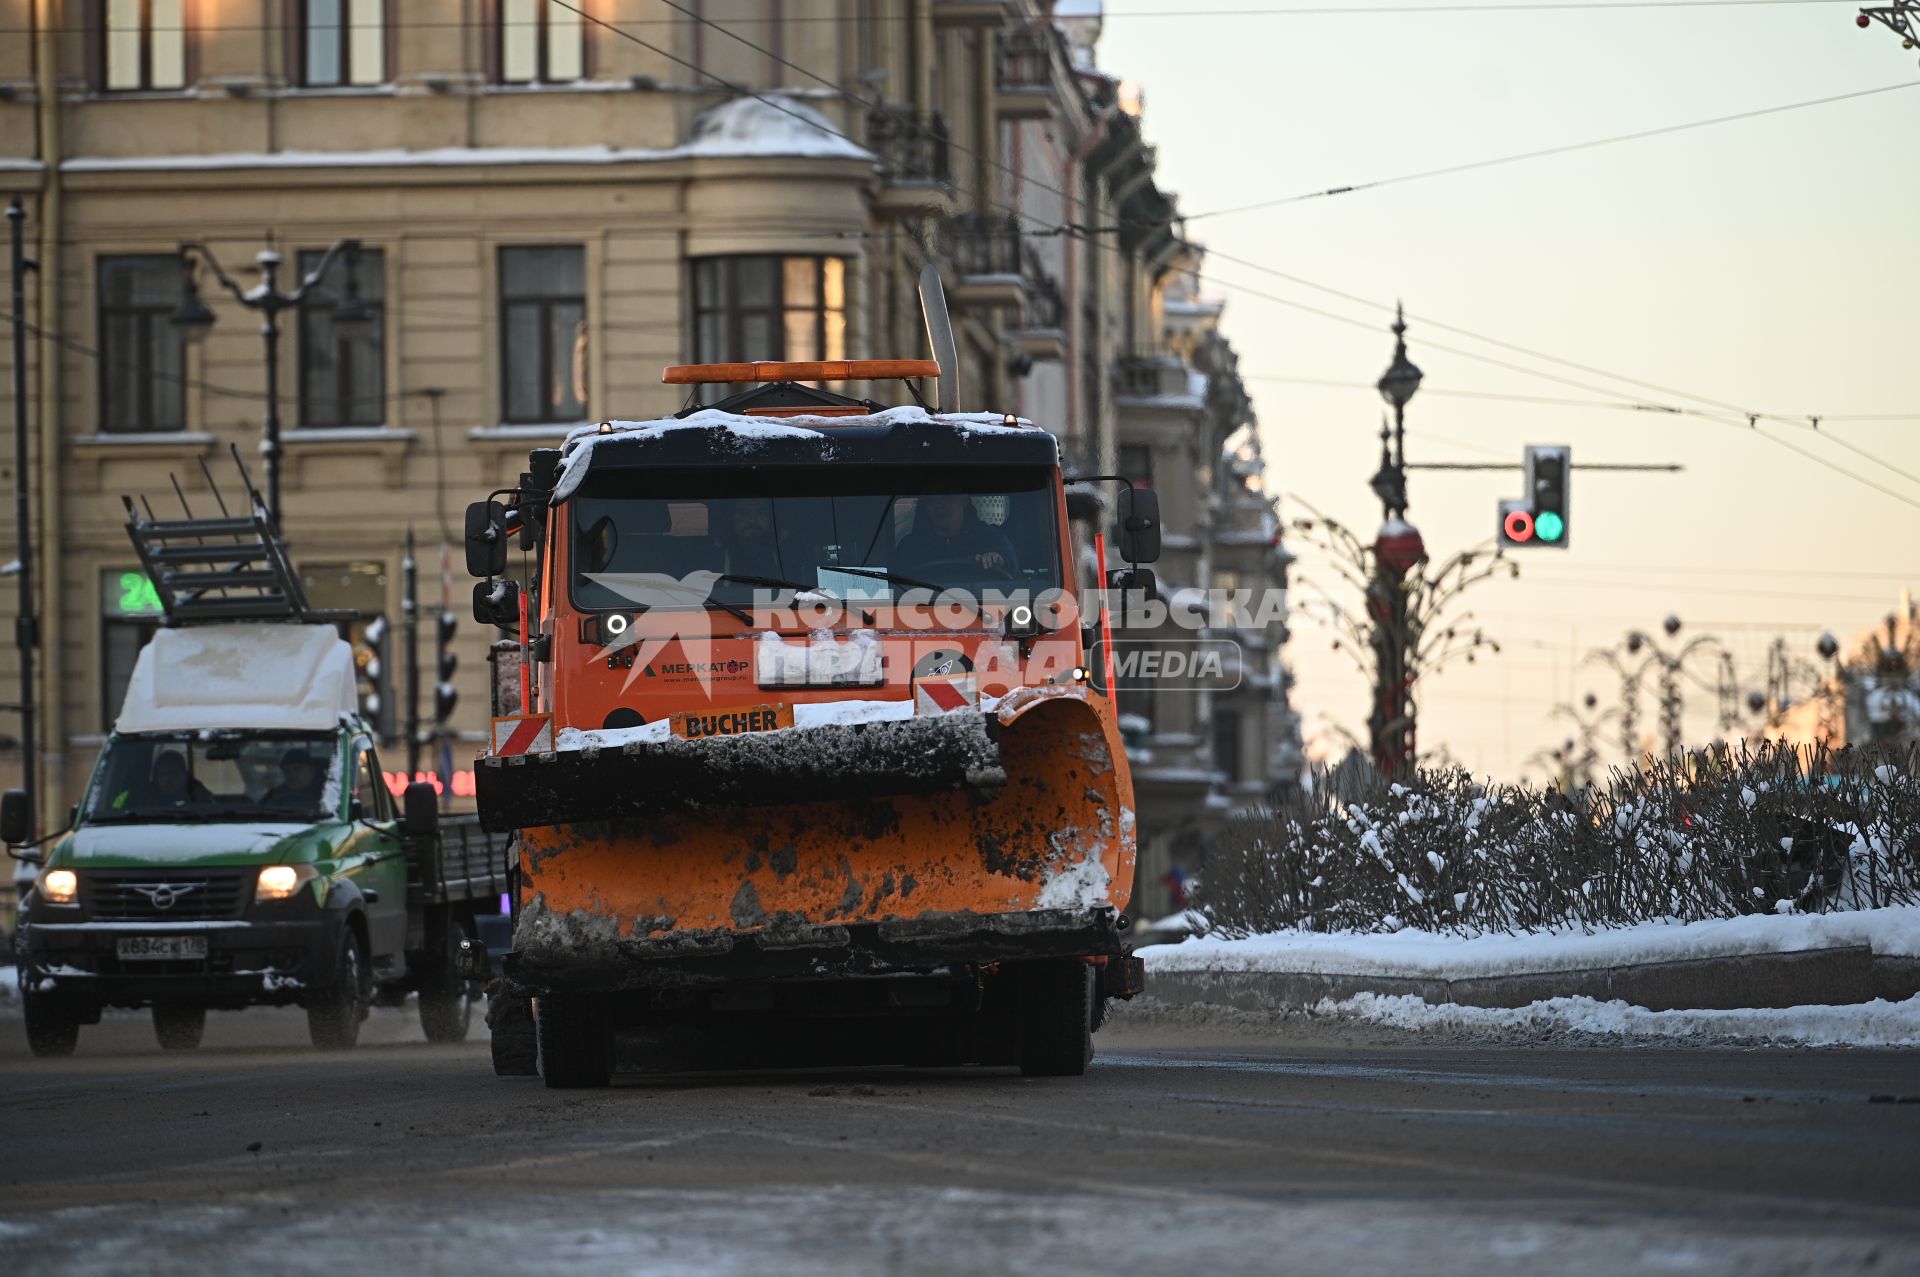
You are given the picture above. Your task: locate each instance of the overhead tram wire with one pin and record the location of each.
(1544, 152)
(1020, 215)
(848, 95)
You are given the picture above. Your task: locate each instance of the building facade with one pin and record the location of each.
(544, 207)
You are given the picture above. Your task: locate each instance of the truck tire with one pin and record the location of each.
(1056, 1018)
(334, 1016)
(576, 1041)
(53, 1029)
(516, 1043)
(178, 1027)
(446, 999)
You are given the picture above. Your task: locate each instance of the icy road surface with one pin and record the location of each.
(1197, 1145)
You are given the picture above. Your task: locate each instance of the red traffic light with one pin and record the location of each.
(1519, 525)
(1863, 22)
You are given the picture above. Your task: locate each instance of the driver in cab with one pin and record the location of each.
(948, 533)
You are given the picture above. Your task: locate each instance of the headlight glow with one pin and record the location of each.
(278, 882)
(59, 886)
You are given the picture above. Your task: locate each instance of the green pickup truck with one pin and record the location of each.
(238, 846)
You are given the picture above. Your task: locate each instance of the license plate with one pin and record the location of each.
(160, 948)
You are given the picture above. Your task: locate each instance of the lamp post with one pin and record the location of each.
(1672, 666)
(1396, 551)
(193, 319)
(26, 624)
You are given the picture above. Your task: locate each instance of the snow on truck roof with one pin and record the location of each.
(241, 677)
(896, 436)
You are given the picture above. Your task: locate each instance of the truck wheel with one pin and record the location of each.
(576, 1041)
(333, 1017)
(52, 1028)
(178, 1027)
(1056, 1018)
(446, 1002)
(516, 1044)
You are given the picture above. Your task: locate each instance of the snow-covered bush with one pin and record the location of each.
(1708, 835)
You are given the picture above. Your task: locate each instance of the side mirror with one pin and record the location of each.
(486, 539)
(13, 818)
(420, 810)
(1139, 525)
(497, 603)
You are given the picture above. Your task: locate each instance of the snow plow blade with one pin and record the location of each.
(646, 779)
(1040, 865)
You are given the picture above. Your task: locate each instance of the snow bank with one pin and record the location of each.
(1421, 954)
(1877, 1023)
(259, 677)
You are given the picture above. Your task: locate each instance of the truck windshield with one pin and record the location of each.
(979, 529)
(221, 777)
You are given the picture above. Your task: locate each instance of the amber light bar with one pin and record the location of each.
(824, 370)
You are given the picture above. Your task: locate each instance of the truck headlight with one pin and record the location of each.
(59, 886)
(278, 882)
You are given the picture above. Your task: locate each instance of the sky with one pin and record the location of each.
(1768, 263)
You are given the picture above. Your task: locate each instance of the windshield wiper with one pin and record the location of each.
(779, 582)
(894, 578)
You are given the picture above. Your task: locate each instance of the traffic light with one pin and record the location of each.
(444, 697)
(1540, 518)
(370, 650)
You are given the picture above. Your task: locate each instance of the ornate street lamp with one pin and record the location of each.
(193, 319)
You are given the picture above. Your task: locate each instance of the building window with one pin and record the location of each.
(747, 308)
(1228, 756)
(343, 42)
(543, 333)
(144, 44)
(541, 43)
(130, 612)
(142, 359)
(343, 375)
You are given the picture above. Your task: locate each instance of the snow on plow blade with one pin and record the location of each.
(760, 769)
(1040, 865)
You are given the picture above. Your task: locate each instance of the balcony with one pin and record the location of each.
(1153, 377)
(1042, 334)
(1023, 85)
(915, 164)
(985, 252)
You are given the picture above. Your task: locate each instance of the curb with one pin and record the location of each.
(1810, 977)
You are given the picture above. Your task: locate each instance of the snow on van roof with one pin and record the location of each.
(747, 433)
(241, 677)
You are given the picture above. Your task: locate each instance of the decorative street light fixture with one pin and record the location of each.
(1397, 386)
(1397, 551)
(193, 319)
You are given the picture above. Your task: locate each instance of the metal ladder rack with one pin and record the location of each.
(225, 567)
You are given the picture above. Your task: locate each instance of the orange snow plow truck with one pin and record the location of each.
(815, 753)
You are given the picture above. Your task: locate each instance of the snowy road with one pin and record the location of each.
(1313, 1148)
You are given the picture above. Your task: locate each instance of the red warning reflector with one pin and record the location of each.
(1519, 525)
(523, 734)
(945, 694)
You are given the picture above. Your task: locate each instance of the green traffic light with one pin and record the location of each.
(1549, 526)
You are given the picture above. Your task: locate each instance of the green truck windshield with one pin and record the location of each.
(972, 528)
(151, 779)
